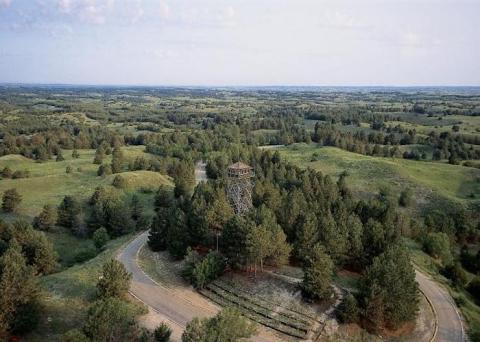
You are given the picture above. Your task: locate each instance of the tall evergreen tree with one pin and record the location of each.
(388, 289)
(46, 219)
(115, 280)
(118, 160)
(318, 272)
(19, 293)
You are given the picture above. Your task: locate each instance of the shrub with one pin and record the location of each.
(104, 170)
(438, 246)
(100, 237)
(201, 271)
(85, 254)
(474, 288)
(6, 172)
(227, 326)
(69, 169)
(11, 200)
(21, 174)
(111, 319)
(456, 274)
(119, 182)
(347, 311)
(405, 199)
(75, 335)
(162, 333)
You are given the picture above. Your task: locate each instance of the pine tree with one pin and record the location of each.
(118, 160)
(157, 239)
(59, 156)
(99, 155)
(115, 280)
(18, 291)
(306, 236)
(68, 211)
(388, 289)
(258, 246)
(137, 207)
(46, 219)
(318, 272)
(218, 213)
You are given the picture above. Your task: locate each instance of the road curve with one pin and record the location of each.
(161, 299)
(174, 308)
(449, 321)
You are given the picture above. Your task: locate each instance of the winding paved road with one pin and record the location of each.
(449, 322)
(161, 299)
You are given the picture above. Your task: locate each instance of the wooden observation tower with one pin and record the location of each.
(239, 187)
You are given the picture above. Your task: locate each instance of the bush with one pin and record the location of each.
(21, 174)
(11, 200)
(85, 254)
(474, 288)
(199, 272)
(227, 326)
(405, 199)
(456, 274)
(26, 318)
(119, 182)
(111, 320)
(347, 311)
(104, 170)
(162, 333)
(100, 237)
(6, 172)
(75, 335)
(437, 245)
(69, 169)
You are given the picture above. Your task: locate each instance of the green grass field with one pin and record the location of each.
(49, 183)
(368, 174)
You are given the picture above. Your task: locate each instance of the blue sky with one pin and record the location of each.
(241, 42)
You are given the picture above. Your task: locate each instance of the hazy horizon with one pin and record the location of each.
(245, 43)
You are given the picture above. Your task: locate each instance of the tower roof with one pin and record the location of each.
(240, 166)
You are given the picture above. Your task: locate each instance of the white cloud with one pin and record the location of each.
(164, 9)
(65, 6)
(89, 11)
(5, 3)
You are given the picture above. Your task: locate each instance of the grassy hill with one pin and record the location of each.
(367, 174)
(49, 183)
(68, 294)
